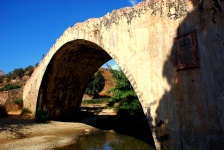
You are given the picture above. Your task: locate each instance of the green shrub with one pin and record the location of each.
(10, 76)
(25, 111)
(96, 101)
(18, 101)
(9, 86)
(41, 116)
(95, 85)
(124, 97)
(29, 69)
(2, 78)
(18, 72)
(30, 72)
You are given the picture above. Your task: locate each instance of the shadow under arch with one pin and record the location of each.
(66, 77)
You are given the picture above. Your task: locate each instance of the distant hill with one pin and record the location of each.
(1, 73)
(109, 83)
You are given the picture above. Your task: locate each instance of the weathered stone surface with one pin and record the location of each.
(184, 108)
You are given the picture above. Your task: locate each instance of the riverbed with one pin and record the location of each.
(27, 134)
(21, 134)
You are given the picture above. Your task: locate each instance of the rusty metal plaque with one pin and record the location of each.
(186, 51)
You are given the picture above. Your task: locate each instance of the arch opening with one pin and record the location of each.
(66, 77)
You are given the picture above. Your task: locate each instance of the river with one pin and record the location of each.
(117, 133)
(107, 140)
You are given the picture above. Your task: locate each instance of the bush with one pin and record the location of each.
(30, 70)
(41, 116)
(14, 74)
(18, 72)
(95, 85)
(10, 76)
(9, 87)
(96, 101)
(25, 111)
(18, 101)
(124, 97)
(2, 78)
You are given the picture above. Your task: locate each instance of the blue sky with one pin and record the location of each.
(29, 28)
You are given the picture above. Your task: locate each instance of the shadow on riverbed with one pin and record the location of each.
(14, 123)
(132, 125)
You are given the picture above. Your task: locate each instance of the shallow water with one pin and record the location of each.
(105, 140)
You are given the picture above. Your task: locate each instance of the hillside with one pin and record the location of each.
(17, 77)
(109, 83)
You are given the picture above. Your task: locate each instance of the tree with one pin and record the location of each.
(18, 72)
(95, 85)
(10, 76)
(124, 97)
(2, 77)
(36, 64)
(29, 70)
(14, 74)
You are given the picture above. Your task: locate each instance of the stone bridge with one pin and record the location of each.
(172, 52)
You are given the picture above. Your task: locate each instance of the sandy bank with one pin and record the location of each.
(27, 134)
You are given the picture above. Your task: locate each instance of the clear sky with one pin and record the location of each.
(29, 28)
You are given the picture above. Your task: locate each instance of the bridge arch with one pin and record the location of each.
(66, 76)
(143, 40)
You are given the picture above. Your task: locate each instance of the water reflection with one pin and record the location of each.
(108, 141)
